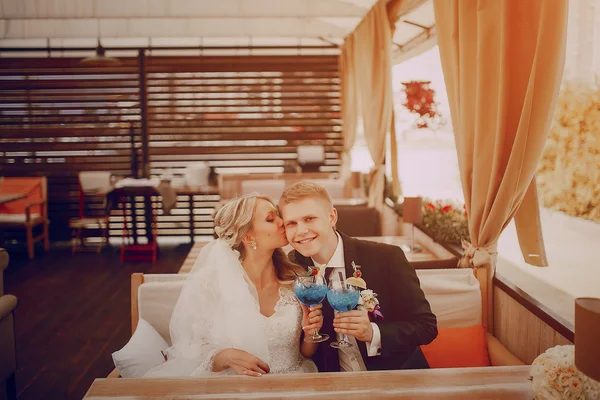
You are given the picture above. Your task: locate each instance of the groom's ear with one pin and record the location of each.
(333, 217)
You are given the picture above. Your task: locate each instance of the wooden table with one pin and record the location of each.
(461, 383)
(8, 197)
(148, 191)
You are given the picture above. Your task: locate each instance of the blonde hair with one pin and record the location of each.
(303, 190)
(233, 222)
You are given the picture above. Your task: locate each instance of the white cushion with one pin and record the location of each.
(141, 353)
(17, 218)
(156, 301)
(454, 296)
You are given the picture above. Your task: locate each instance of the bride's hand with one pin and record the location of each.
(242, 362)
(312, 319)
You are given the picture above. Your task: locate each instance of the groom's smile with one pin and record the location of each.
(305, 241)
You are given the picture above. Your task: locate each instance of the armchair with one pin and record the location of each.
(8, 359)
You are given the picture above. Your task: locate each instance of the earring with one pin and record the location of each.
(253, 244)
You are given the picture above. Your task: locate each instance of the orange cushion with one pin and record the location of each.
(458, 347)
(32, 187)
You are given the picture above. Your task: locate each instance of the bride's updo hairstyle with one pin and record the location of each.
(233, 222)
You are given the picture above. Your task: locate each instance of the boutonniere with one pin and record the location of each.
(368, 299)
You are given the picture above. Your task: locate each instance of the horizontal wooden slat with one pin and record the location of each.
(188, 137)
(284, 102)
(232, 150)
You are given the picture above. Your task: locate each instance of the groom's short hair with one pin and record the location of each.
(303, 190)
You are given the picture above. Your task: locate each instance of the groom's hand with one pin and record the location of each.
(355, 323)
(242, 362)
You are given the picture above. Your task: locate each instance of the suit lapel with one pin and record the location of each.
(350, 255)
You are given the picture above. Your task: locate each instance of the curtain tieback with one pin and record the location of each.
(475, 257)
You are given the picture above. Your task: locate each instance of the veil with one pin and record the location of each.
(217, 309)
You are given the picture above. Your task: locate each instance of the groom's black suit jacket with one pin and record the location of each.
(408, 321)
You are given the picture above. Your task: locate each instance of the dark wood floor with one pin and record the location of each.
(73, 312)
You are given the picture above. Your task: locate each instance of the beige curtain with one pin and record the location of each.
(350, 109)
(503, 63)
(369, 51)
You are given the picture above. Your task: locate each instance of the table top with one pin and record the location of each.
(180, 190)
(403, 242)
(451, 383)
(8, 197)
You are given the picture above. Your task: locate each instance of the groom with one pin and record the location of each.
(380, 344)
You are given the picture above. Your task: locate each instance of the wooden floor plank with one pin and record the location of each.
(73, 312)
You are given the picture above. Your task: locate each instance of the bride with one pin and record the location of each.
(237, 312)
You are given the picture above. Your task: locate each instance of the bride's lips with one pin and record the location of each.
(306, 240)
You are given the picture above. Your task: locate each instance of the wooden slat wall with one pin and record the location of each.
(242, 114)
(238, 113)
(521, 331)
(58, 118)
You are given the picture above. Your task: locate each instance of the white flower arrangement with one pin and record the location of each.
(368, 301)
(554, 376)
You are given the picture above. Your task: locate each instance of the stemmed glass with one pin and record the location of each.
(342, 297)
(311, 291)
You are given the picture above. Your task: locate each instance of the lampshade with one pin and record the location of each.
(412, 210)
(100, 59)
(311, 154)
(587, 336)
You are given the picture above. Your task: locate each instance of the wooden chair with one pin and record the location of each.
(29, 212)
(90, 183)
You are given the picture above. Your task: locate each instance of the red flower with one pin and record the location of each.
(430, 206)
(447, 208)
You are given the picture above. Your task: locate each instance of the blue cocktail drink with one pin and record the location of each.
(343, 298)
(311, 291)
(311, 294)
(343, 301)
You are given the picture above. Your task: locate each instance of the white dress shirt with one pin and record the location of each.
(349, 359)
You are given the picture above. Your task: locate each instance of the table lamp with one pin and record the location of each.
(412, 213)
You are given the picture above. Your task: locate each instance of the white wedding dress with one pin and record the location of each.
(283, 332)
(218, 309)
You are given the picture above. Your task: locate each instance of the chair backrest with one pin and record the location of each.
(35, 189)
(265, 187)
(94, 181)
(337, 188)
(359, 220)
(91, 182)
(454, 296)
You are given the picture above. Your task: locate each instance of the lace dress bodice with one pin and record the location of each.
(283, 331)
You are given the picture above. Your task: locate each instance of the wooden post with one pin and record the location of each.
(137, 279)
(144, 112)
